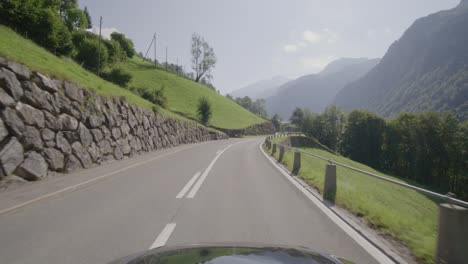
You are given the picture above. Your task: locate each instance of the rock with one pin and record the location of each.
(30, 115)
(85, 136)
(105, 147)
(125, 129)
(146, 123)
(33, 168)
(94, 121)
(52, 122)
(61, 102)
(3, 130)
(125, 146)
(116, 133)
(45, 82)
(38, 98)
(11, 85)
(68, 123)
(132, 121)
(118, 153)
(22, 71)
(97, 134)
(49, 144)
(107, 158)
(55, 159)
(62, 143)
(47, 134)
(32, 138)
(13, 122)
(106, 132)
(81, 154)
(11, 156)
(74, 110)
(5, 99)
(72, 163)
(95, 153)
(71, 136)
(74, 92)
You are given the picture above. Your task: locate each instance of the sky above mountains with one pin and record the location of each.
(258, 39)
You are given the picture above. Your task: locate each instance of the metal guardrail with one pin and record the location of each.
(452, 233)
(447, 198)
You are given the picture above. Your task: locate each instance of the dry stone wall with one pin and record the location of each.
(52, 125)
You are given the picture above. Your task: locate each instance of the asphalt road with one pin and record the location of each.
(237, 195)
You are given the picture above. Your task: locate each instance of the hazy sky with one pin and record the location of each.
(259, 39)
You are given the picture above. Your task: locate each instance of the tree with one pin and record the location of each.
(125, 43)
(203, 57)
(363, 137)
(88, 17)
(276, 120)
(297, 117)
(204, 110)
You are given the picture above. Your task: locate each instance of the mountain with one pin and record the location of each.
(316, 91)
(260, 89)
(426, 69)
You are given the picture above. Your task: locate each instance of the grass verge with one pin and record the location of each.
(403, 214)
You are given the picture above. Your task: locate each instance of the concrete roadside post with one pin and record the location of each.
(452, 241)
(329, 189)
(281, 153)
(297, 162)
(273, 151)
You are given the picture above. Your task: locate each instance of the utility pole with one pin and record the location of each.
(166, 57)
(99, 48)
(177, 64)
(155, 49)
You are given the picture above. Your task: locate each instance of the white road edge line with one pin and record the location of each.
(83, 184)
(163, 236)
(200, 181)
(371, 249)
(188, 185)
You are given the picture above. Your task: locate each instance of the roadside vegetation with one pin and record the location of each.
(429, 149)
(401, 213)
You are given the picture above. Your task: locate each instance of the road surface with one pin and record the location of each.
(224, 191)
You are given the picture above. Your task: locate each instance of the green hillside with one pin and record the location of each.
(183, 95)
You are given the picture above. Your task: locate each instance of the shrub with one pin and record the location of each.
(204, 110)
(118, 76)
(157, 97)
(88, 54)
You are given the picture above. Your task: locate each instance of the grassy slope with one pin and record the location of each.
(15, 47)
(402, 213)
(183, 95)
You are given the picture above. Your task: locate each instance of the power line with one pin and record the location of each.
(152, 40)
(155, 61)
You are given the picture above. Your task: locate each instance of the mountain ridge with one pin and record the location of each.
(316, 91)
(426, 69)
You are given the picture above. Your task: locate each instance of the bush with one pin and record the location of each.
(157, 97)
(88, 54)
(117, 76)
(204, 110)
